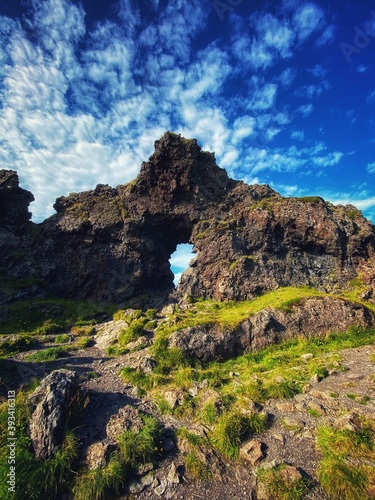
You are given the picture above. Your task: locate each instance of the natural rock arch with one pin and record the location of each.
(114, 244)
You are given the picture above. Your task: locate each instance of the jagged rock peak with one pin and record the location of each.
(14, 202)
(179, 168)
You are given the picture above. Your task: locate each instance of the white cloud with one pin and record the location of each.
(307, 19)
(371, 97)
(287, 77)
(243, 127)
(291, 159)
(327, 37)
(318, 71)
(297, 135)
(264, 98)
(371, 167)
(361, 68)
(180, 260)
(305, 109)
(274, 34)
(79, 107)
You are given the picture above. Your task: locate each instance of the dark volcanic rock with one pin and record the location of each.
(114, 244)
(14, 204)
(49, 408)
(312, 317)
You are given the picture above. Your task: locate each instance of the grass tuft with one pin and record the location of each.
(137, 448)
(343, 471)
(102, 483)
(232, 428)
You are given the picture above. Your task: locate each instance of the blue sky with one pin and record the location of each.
(282, 91)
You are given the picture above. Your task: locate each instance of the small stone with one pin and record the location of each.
(315, 379)
(138, 485)
(168, 310)
(347, 423)
(271, 465)
(144, 469)
(252, 452)
(174, 398)
(97, 455)
(285, 406)
(355, 376)
(173, 475)
(321, 394)
(306, 388)
(125, 419)
(159, 490)
(292, 424)
(279, 437)
(316, 407)
(193, 391)
(306, 357)
(290, 474)
(147, 365)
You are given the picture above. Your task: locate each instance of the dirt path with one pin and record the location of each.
(351, 390)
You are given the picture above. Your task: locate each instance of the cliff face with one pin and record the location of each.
(114, 244)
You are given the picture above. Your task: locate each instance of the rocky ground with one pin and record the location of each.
(290, 439)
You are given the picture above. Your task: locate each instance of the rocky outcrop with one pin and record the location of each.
(14, 204)
(114, 244)
(313, 317)
(49, 407)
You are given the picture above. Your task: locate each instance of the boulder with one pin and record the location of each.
(126, 419)
(49, 408)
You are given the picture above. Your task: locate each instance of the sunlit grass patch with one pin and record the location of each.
(50, 354)
(345, 471)
(140, 447)
(103, 482)
(232, 428)
(279, 488)
(50, 316)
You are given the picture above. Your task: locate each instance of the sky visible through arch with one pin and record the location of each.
(282, 91)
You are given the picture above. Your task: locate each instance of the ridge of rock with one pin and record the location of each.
(114, 244)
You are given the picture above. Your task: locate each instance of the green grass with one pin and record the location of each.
(50, 354)
(309, 199)
(139, 379)
(279, 488)
(346, 471)
(137, 448)
(101, 483)
(197, 469)
(232, 428)
(48, 316)
(17, 344)
(63, 338)
(36, 480)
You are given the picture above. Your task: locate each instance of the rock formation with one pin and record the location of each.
(49, 409)
(114, 244)
(312, 317)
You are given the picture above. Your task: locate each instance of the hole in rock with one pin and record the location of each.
(180, 259)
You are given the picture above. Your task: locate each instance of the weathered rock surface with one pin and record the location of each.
(312, 317)
(114, 244)
(14, 204)
(49, 408)
(126, 419)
